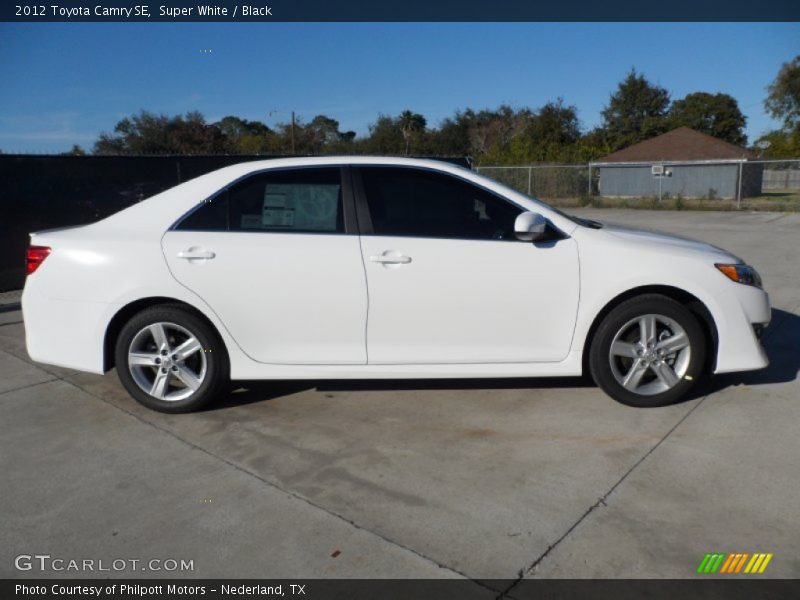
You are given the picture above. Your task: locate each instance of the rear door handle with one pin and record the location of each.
(391, 260)
(190, 254)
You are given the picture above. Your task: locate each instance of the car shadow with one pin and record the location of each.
(782, 343)
(369, 385)
(4, 308)
(781, 340)
(248, 392)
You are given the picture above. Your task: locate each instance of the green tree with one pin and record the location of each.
(592, 145)
(451, 138)
(551, 133)
(148, 133)
(192, 135)
(145, 133)
(713, 114)
(779, 144)
(76, 150)
(493, 133)
(322, 135)
(411, 125)
(234, 127)
(385, 137)
(783, 95)
(247, 137)
(783, 102)
(636, 111)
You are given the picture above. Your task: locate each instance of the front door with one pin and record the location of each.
(449, 283)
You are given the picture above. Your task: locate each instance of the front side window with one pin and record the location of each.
(295, 200)
(417, 203)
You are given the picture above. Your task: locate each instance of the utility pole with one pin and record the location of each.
(293, 151)
(272, 112)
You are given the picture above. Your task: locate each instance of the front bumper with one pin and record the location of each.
(740, 329)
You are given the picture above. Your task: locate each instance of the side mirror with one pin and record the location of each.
(530, 227)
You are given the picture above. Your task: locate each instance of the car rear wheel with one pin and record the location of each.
(648, 351)
(171, 361)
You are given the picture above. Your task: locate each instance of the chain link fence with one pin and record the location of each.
(722, 184)
(551, 183)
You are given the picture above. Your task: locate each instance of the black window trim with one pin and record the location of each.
(348, 202)
(365, 219)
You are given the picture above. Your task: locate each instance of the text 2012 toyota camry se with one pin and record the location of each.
(367, 267)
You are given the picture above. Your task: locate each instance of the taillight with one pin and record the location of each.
(34, 257)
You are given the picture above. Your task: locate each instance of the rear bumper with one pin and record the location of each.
(65, 333)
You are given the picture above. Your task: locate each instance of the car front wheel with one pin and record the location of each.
(648, 351)
(170, 361)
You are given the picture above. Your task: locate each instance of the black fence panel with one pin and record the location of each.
(44, 192)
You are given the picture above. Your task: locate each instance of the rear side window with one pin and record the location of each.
(296, 200)
(304, 200)
(212, 215)
(418, 203)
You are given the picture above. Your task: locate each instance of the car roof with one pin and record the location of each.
(157, 213)
(318, 161)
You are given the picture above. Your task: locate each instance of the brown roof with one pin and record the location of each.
(679, 144)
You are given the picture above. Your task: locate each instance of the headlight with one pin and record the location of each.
(740, 274)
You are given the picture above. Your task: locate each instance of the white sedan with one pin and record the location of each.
(367, 267)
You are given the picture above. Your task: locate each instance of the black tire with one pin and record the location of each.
(216, 374)
(600, 361)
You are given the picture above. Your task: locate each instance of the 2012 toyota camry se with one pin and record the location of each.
(367, 267)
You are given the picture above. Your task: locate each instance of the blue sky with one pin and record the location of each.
(64, 83)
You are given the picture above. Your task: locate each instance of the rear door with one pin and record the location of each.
(277, 257)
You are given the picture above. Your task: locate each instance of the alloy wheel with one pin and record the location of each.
(167, 361)
(650, 354)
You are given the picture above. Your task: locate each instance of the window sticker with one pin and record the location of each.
(278, 210)
(309, 207)
(251, 222)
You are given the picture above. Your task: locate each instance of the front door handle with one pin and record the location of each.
(192, 253)
(389, 259)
